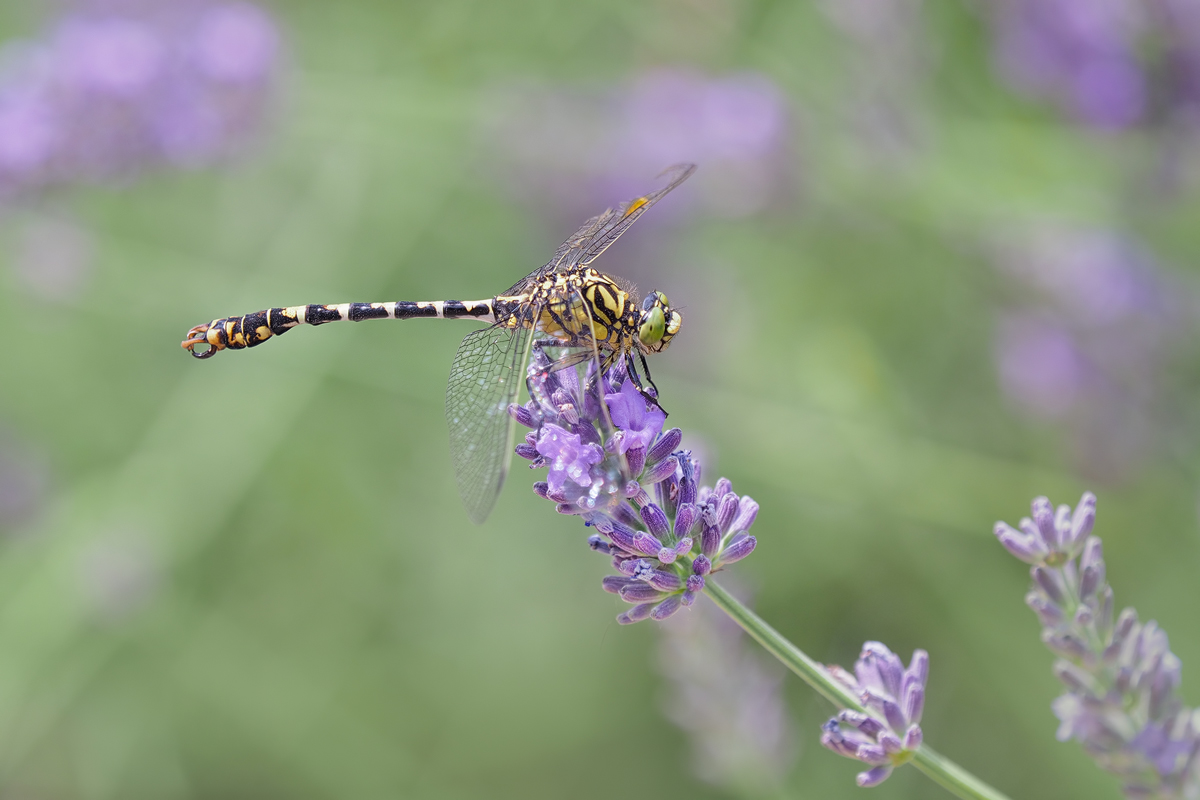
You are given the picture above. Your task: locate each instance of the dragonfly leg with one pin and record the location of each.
(651, 392)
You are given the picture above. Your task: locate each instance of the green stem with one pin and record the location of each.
(941, 770)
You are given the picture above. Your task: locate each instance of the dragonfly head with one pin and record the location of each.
(657, 323)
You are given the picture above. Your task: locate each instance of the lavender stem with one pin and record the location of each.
(939, 769)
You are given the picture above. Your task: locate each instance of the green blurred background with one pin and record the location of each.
(251, 577)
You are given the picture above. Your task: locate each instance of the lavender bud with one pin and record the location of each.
(738, 550)
(659, 472)
(685, 517)
(542, 490)
(656, 520)
(710, 541)
(727, 508)
(1088, 583)
(872, 754)
(635, 457)
(701, 566)
(666, 555)
(1064, 645)
(1084, 518)
(1027, 548)
(1075, 678)
(522, 415)
(620, 534)
(627, 516)
(598, 544)
(873, 777)
(1043, 517)
(687, 484)
(628, 566)
(1048, 613)
(1126, 620)
(527, 452)
(918, 668)
(914, 703)
(863, 722)
(640, 593)
(1083, 617)
(747, 513)
(683, 547)
(913, 737)
(890, 743)
(635, 614)
(613, 584)
(835, 740)
(646, 544)
(723, 487)
(665, 581)
(667, 607)
(665, 445)
(1050, 582)
(695, 584)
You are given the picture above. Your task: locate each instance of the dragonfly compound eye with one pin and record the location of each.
(658, 323)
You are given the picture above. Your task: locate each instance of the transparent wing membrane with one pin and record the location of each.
(598, 233)
(485, 378)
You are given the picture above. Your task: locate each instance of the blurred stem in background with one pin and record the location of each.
(941, 770)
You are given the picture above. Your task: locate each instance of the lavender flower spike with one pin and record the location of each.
(1120, 677)
(605, 458)
(890, 735)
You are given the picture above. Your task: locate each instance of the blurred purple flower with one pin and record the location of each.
(738, 126)
(728, 701)
(1081, 55)
(1103, 61)
(117, 87)
(1121, 677)
(1040, 367)
(1088, 342)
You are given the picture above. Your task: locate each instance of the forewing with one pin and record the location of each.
(599, 232)
(485, 378)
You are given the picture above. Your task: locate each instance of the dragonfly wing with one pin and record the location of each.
(599, 232)
(486, 377)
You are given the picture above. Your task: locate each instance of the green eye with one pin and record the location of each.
(653, 327)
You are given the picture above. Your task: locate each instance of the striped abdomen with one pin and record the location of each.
(249, 330)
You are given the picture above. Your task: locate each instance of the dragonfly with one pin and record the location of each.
(565, 306)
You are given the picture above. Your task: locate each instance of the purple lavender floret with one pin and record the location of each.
(890, 734)
(113, 88)
(1121, 677)
(613, 465)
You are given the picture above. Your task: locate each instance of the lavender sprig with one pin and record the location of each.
(891, 736)
(604, 459)
(117, 87)
(1121, 676)
(610, 462)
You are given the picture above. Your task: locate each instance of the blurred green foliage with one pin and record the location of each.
(252, 577)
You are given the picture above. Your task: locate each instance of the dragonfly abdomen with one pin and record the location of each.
(251, 330)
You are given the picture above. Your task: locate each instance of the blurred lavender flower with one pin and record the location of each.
(662, 547)
(116, 87)
(737, 125)
(1089, 341)
(889, 737)
(1103, 61)
(1121, 677)
(1081, 55)
(729, 702)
